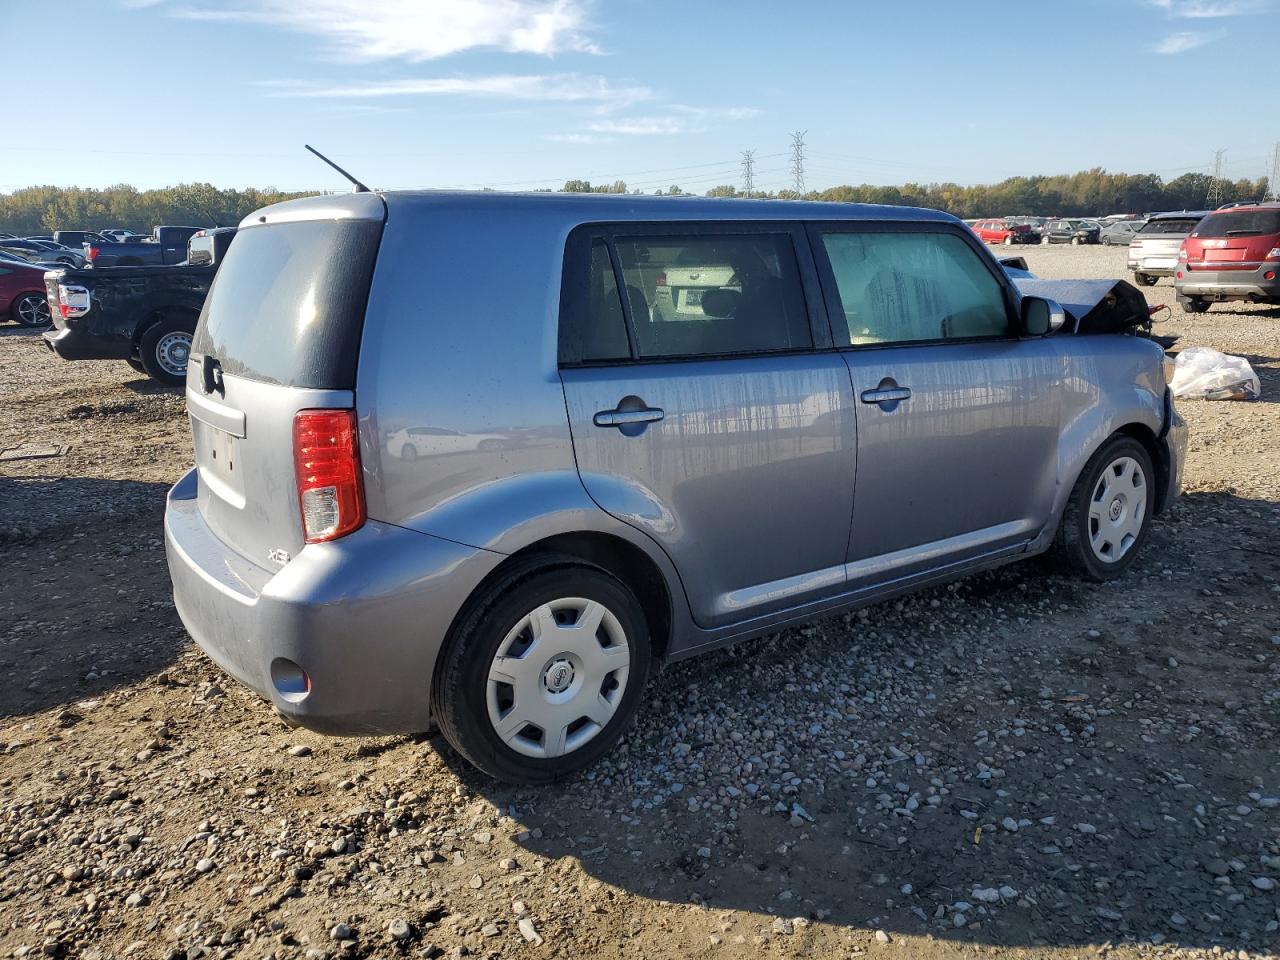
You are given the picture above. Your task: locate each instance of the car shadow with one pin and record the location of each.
(1015, 759)
(86, 592)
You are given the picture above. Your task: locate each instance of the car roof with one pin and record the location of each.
(576, 208)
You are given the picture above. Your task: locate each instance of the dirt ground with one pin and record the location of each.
(1018, 764)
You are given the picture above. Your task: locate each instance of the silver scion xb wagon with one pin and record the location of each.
(487, 461)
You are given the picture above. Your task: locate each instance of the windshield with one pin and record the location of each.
(1172, 225)
(1240, 223)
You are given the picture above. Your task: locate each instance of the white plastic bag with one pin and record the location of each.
(1203, 374)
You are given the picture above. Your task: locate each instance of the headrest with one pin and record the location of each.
(721, 304)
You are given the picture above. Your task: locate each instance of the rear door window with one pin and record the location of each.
(675, 296)
(913, 287)
(288, 303)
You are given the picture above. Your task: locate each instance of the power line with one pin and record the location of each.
(797, 162)
(1214, 199)
(748, 172)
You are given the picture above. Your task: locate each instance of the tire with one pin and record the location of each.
(1075, 241)
(164, 349)
(1008, 241)
(1106, 523)
(1196, 306)
(1145, 279)
(408, 452)
(136, 364)
(30, 310)
(473, 696)
(1044, 240)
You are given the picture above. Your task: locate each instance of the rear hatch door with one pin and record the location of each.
(279, 333)
(1238, 239)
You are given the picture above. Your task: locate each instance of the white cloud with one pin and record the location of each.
(560, 87)
(1186, 40)
(417, 30)
(578, 138)
(639, 126)
(1210, 9)
(717, 113)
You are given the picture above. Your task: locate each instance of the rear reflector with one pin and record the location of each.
(326, 461)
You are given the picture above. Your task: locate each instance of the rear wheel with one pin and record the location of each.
(1145, 279)
(31, 310)
(136, 364)
(544, 672)
(1108, 514)
(1195, 305)
(164, 350)
(1075, 241)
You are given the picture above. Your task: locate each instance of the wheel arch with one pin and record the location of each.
(157, 314)
(617, 556)
(1158, 453)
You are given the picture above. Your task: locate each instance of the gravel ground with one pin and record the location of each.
(1019, 763)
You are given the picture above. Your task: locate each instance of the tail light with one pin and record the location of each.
(1182, 252)
(73, 300)
(660, 280)
(92, 253)
(1273, 253)
(326, 462)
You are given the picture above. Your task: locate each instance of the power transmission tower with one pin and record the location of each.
(748, 172)
(1214, 199)
(797, 162)
(1273, 181)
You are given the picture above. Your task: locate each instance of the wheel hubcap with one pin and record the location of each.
(558, 677)
(172, 352)
(1117, 509)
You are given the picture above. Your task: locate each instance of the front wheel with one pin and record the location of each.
(1008, 241)
(1075, 241)
(544, 673)
(136, 364)
(164, 350)
(31, 310)
(1108, 514)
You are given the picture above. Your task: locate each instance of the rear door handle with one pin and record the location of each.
(886, 395)
(626, 418)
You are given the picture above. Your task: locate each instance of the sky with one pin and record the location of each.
(525, 94)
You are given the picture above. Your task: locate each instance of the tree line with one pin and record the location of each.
(36, 210)
(1087, 193)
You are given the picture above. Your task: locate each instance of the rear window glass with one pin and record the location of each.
(1240, 223)
(288, 303)
(1172, 225)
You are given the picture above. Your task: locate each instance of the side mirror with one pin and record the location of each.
(1041, 317)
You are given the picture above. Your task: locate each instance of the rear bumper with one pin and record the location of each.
(364, 617)
(72, 343)
(1230, 284)
(1155, 266)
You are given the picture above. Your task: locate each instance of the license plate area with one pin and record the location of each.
(220, 469)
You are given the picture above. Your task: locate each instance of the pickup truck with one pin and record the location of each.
(142, 315)
(166, 245)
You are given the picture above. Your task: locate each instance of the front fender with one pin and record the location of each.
(1140, 404)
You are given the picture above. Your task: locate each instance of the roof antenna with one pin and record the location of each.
(358, 187)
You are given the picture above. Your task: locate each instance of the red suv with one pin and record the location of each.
(1002, 231)
(1233, 254)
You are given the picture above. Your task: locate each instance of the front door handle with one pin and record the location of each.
(886, 395)
(627, 418)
